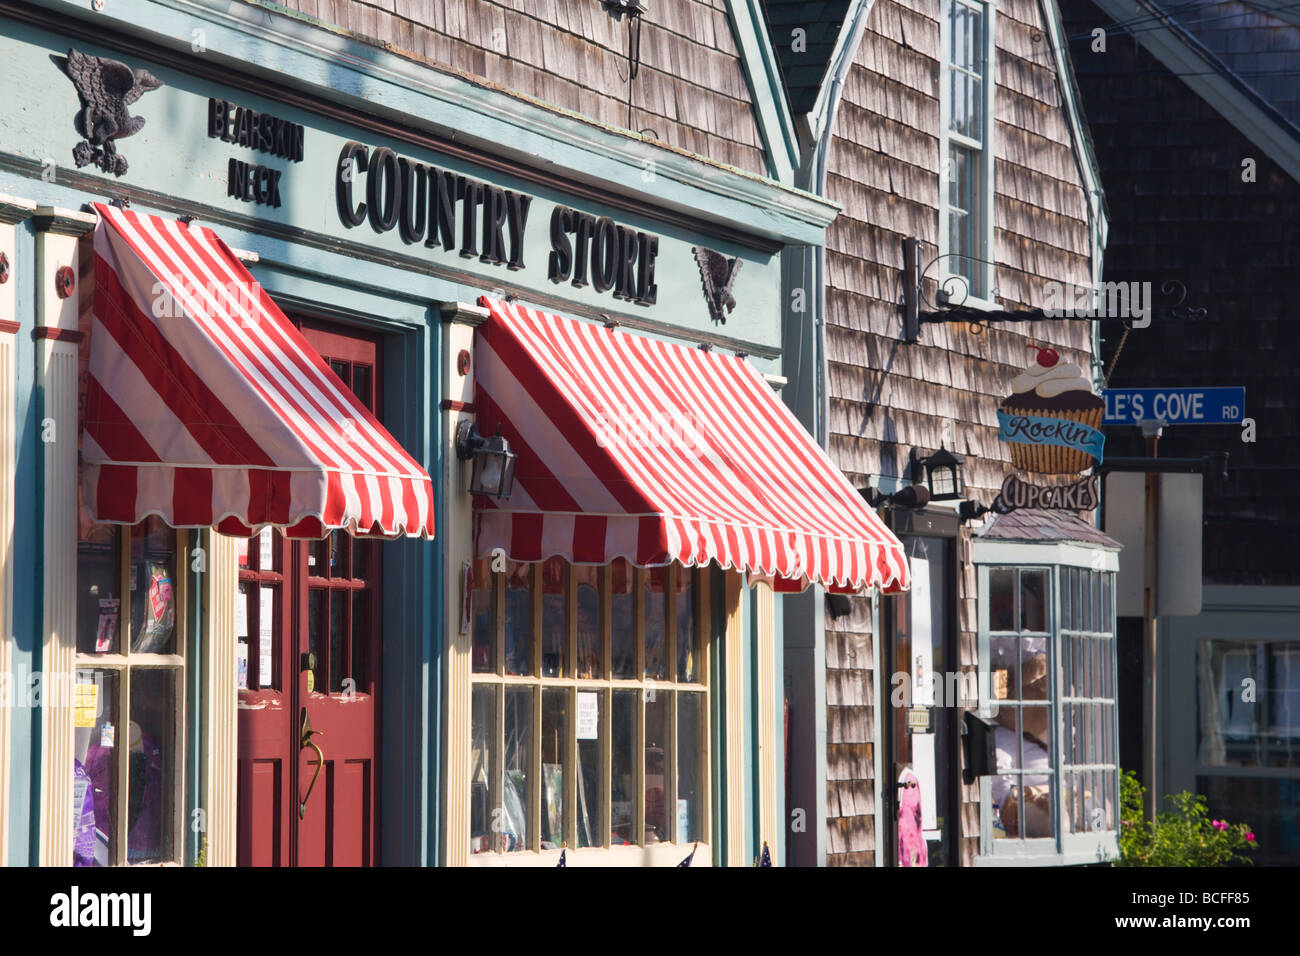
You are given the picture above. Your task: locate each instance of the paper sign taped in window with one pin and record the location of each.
(85, 705)
(588, 715)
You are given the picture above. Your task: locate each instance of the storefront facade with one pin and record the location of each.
(470, 698)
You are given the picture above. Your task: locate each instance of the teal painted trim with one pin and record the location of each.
(822, 113)
(717, 689)
(777, 839)
(341, 67)
(434, 685)
(24, 725)
(767, 89)
(405, 773)
(196, 716)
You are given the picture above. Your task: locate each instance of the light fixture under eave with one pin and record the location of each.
(494, 462)
(943, 474)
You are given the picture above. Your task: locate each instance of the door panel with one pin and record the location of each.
(324, 645)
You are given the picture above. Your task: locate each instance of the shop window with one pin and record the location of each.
(589, 707)
(1047, 646)
(965, 140)
(129, 703)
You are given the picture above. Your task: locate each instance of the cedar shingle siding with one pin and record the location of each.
(691, 91)
(887, 396)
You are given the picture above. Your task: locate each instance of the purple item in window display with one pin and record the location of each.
(145, 774)
(83, 838)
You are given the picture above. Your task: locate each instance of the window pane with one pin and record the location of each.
(361, 557)
(656, 778)
(690, 771)
(481, 615)
(153, 765)
(1076, 586)
(622, 636)
(1002, 607)
(99, 589)
(338, 605)
(960, 186)
(590, 750)
(519, 618)
(587, 580)
(315, 644)
(1036, 737)
(268, 610)
(1034, 670)
(243, 616)
(152, 584)
(555, 624)
(95, 784)
(515, 785)
(360, 635)
(688, 657)
(555, 726)
(1033, 601)
(1107, 621)
(1037, 817)
(622, 770)
(483, 714)
(654, 596)
(1004, 667)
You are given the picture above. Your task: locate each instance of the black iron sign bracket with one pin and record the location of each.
(1127, 303)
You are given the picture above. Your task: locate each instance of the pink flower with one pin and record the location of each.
(1250, 837)
(1220, 824)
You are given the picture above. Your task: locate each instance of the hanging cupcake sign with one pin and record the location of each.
(1051, 421)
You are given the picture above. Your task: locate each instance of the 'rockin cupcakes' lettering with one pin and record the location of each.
(1052, 418)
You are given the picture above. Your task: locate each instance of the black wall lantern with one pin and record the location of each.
(494, 462)
(942, 474)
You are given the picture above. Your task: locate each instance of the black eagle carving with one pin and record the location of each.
(106, 87)
(718, 274)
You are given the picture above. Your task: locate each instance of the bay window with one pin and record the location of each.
(1047, 658)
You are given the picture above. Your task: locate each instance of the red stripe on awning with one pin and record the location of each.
(662, 453)
(208, 407)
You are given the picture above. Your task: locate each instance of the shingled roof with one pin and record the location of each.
(1259, 46)
(1240, 56)
(1046, 526)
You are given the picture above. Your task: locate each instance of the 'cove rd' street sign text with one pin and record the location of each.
(1175, 406)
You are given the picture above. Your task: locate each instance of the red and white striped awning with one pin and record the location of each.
(204, 404)
(636, 448)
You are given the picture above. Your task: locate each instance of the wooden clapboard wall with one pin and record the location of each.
(691, 90)
(887, 396)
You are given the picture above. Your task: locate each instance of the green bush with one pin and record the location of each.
(1185, 836)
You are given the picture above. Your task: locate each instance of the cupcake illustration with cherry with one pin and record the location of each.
(1052, 419)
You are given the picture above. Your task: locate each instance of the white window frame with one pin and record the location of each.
(983, 298)
(1063, 848)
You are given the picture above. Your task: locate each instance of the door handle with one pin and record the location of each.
(306, 741)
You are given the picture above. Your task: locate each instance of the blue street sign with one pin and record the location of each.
(1176, 406)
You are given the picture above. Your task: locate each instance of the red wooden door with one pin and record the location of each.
(317, 664)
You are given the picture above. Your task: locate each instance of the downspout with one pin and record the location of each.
(817, 186)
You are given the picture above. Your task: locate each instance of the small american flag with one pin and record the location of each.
(560, 865)
(766, 858)
(687, 861)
